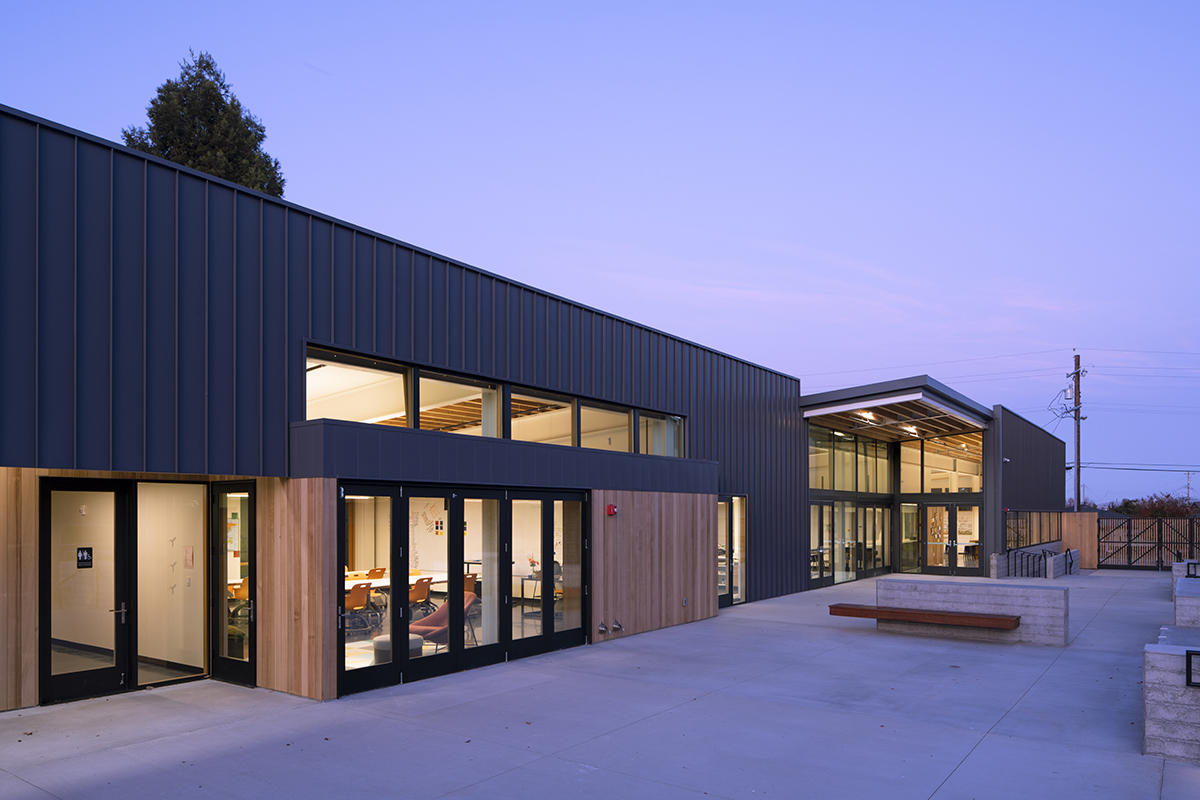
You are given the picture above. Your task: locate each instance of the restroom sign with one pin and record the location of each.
(83, 558)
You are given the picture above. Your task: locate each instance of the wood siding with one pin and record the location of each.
(18, 588)
(297, 586)
(658, 549)
(1080, 532)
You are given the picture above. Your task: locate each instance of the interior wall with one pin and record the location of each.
(81, 600)
(655, 551)
(171, 572)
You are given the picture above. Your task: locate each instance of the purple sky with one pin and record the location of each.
(846, 192)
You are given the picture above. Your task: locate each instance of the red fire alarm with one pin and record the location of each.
(610, 510)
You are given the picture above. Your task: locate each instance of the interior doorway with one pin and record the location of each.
(123, 589)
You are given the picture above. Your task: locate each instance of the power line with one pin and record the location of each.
(931, 363)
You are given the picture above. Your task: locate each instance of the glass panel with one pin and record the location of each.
(967, 529)
(814, 541)
(883, 532)
(827, 539)
(428, 576)
(82, 581)
(883, 466)
(527, 568)
(910, 522)
(171, 589)
(346, 390)
(843, 462)
(937, 535)
(458, 407)
(737, 566)
(910, 467)
(723, 547)
(233, 573)
(820, 457)
(368, 587)
(955, 463)
(844, 532)
(541, 419)
(604, 429)
(660, 435)
(866, 466)
(863, 538)
(568, 565)
(481, 558)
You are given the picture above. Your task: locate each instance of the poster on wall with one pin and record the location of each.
(233, 535)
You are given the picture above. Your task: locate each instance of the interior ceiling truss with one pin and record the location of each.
(898, 422)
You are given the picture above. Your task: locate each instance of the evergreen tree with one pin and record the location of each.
(197, 121)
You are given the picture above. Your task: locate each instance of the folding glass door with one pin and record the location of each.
(369, 622)
(457, 598)
(546, 571)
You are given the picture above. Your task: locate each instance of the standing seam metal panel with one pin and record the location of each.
(203, 294)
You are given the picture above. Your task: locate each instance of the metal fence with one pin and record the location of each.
(1146, 542)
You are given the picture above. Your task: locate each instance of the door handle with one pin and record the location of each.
(120, 611)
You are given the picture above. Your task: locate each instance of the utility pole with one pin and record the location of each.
(1078, 373)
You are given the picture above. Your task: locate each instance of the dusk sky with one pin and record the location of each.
(846, 192)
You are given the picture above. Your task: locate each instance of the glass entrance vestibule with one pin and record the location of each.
(439, 579)
(882, 506)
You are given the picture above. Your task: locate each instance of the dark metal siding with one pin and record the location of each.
(1033, 477)
(155, 319)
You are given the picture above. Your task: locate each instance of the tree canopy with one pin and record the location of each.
(197, 121)
(1156, 505)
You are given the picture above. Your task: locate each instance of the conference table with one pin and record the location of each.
(386, 583)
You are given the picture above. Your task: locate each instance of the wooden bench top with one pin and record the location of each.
(966, 619)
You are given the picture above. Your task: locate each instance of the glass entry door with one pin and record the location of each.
(546, 568)
(731, 551)
(820, 532)
(85, 589)
(233, 537)
(950, 540)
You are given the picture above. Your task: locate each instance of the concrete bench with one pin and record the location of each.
(1171, 708)
(1187, 602)
(1179, 570)
(1041, 608)
(966, 619)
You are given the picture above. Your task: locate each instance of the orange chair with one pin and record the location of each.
(375, 573)
(436, 627)
(418, 596)
(361, 616)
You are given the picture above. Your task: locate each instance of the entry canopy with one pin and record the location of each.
(894, 411)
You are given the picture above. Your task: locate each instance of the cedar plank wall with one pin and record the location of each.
(18, 587)
(657, 549)
(297, 559)
(19, 499)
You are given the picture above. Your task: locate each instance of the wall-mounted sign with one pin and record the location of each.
(83, 558)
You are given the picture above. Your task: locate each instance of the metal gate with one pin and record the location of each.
(1146, 542)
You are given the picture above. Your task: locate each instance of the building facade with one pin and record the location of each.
(229, 426)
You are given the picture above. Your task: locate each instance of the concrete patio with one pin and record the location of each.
(773, 699)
